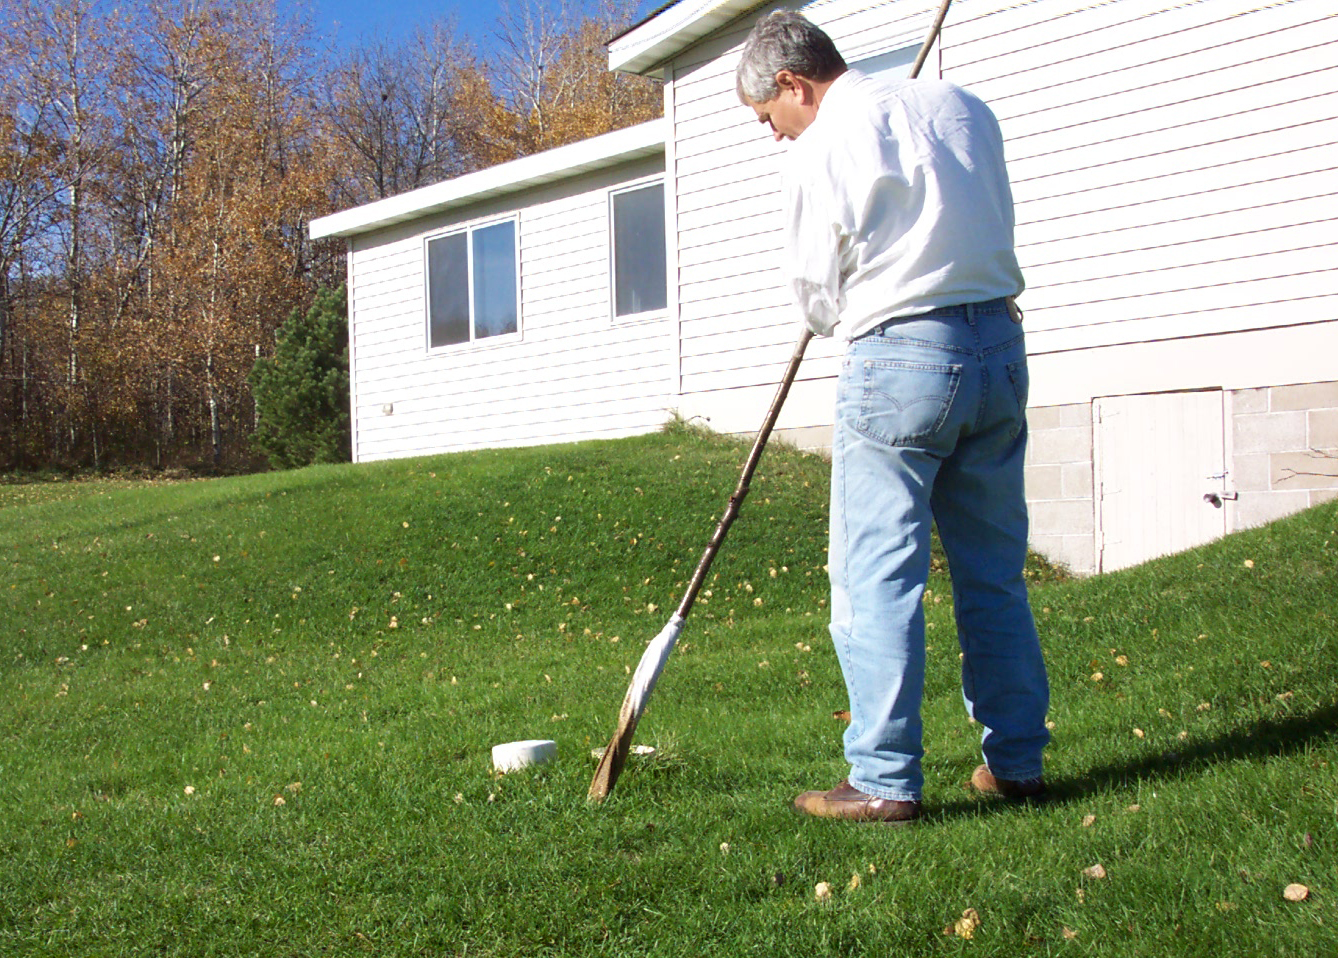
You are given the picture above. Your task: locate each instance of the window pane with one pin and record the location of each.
(448, 290)
(893, 65)
(639, 281)
(495, 310)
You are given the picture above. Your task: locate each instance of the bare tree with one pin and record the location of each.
(553, 73)
(402, 112)
(28, 190)
(533, 36)
(65, 66)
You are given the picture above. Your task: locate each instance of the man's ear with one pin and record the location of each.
(789, 81)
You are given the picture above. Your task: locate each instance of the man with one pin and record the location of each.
(899, 232)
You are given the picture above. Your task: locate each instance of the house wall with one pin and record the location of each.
(1060, 485)
(737, 328)
(1171, 163)
(1282, 456)
(1171, 170)
(572, 374)
(1176, 224)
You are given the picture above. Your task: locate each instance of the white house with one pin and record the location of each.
(1174, 169)
(519, 305)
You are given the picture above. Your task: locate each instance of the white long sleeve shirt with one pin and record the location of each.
(898, 202)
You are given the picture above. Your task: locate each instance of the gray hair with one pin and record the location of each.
(783, 40)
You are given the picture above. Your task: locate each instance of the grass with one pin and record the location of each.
(252, 716)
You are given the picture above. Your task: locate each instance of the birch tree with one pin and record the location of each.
(59, 58)
(405, 115)
(553, 73)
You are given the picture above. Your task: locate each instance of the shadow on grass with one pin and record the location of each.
(1265, 738)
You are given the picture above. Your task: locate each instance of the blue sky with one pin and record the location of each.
(353, 21)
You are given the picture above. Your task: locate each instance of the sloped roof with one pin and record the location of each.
(560, 163)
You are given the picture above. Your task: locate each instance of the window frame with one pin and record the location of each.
(894, 63)
(646, 315)
(468, 230)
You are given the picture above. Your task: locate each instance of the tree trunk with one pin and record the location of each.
(216, 430)
(171, 428)
(215, 426)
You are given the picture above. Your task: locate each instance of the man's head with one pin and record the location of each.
(786, 66)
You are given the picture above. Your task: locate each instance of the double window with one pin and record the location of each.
(473, 288)
(638, 259)
(472, 285)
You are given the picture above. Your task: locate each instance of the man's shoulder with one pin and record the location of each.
(854, 87)
(855, 95)
(913, 100)
(884, 89)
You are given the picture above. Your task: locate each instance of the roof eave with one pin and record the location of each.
(646, 47)
(560, 163)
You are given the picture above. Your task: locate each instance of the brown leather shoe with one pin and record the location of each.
(983, 781)
(849, 803)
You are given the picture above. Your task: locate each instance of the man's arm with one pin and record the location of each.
(814, 242)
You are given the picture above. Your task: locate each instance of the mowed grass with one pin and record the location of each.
(253, 716)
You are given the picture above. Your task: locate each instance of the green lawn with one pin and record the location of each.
(253, 716)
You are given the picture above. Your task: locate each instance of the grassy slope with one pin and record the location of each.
(352, 640)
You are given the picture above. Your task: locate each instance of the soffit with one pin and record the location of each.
(645, 47)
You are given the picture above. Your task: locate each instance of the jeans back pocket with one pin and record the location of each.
(905, 402)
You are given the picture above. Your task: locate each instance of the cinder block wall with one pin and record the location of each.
(1282, 458)
(1285, 445)
(1059, 485)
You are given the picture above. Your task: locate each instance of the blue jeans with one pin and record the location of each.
(930, 428)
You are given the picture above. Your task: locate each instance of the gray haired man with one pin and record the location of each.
(899, 238)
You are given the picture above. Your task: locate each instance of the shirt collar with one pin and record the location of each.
(835, 94)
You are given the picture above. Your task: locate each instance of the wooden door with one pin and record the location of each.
(1160, 465)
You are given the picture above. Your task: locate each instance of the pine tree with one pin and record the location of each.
(301, 394)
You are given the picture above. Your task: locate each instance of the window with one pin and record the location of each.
(639, 270)
(892, 65)
(472, 292)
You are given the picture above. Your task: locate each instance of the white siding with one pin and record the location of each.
(1172, 164)
(1173, 167)
(572, 374)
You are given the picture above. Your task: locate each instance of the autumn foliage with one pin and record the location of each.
(160, 162)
